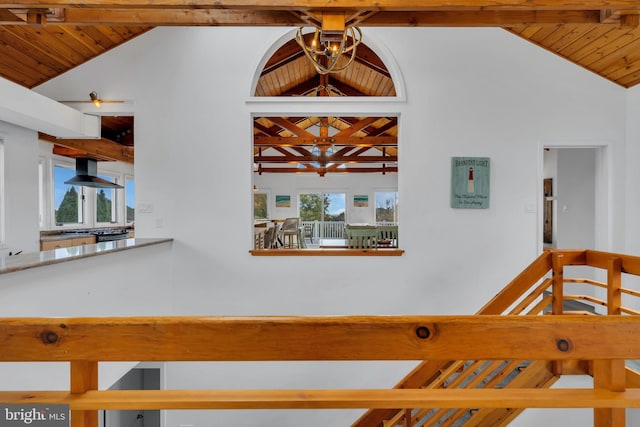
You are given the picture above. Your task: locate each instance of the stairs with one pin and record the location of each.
(528, 294)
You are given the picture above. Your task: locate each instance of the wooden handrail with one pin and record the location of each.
(319, 338)
(444, 342)
(329, 399)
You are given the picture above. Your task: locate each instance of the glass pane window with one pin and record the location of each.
(41, 202)
(387, 207)
(327, 210)
(260, 210)
(130, 196)
(106, 202)
(67, 199)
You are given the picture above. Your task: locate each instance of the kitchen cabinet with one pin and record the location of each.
(48, 245)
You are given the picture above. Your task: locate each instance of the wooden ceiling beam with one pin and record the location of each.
(391, 18)
(98, 147)
(365, 141)
(170, 17)
(7, 18)
(356, 127)
(484, 18)
(291, 127)
(322, 171)
(323, 5)
(333, 159)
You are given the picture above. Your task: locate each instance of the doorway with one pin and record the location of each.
(135, 379)
(574, 197)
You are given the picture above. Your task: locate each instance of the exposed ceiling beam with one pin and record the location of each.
(356, 127)
(291, 127)
(345, 5)
(322, 171)
(333, 159)
(365, 141)
(242, 17)
(100, 147)
(169, 17)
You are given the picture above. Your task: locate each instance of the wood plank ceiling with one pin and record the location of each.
(40, 40)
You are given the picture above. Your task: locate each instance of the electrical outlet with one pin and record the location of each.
(145, 207)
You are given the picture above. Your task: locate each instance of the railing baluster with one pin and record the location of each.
(84, 377)
(614, 280)
(609, 375)
(557, 262)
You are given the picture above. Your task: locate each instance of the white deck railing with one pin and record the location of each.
(331, 229)
(326, 229)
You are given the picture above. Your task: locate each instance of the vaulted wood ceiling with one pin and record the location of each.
(40, 40)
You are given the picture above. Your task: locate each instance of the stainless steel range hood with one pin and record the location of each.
(86, 175)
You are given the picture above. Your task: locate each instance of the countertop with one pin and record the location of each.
(10, 264)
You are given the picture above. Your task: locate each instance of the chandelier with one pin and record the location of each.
(330, 43)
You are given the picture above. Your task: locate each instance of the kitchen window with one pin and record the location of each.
(68, 200)
(130, 199)
(106, 202)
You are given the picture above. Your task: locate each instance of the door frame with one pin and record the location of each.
(603, 193)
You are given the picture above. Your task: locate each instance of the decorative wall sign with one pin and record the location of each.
(361, 201)
(470, 182)
(283, 201)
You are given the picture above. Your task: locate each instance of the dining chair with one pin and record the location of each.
(388, 236)
(268, 237)
(289, 231)
(362, 237)
(308, 231)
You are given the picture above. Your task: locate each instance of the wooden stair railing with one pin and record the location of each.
(524, 295)
(84, 342)
(459, 350)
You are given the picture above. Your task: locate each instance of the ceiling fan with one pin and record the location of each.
(95, 100)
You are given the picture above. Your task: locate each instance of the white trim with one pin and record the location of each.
(603, 232)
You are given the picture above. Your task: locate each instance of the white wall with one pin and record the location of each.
(129, 283)
(632, 225)
(469, 92)
(21, 189)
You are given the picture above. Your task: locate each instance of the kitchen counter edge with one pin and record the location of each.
(10, 264)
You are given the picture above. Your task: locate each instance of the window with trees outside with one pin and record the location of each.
(387, 207)
(130, 199)
(324, 214)
(260, 206)
(68, 199)
(106, 202)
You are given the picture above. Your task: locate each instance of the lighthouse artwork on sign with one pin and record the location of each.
(470, 182)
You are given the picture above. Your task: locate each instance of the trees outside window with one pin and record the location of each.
(103, 206)
(68, 199)
(130, 200)
(327, 209)
(387, 206)
(260, 210)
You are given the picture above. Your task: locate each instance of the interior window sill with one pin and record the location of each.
(326, 252)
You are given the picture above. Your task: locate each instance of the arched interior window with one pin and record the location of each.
(328, 171)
